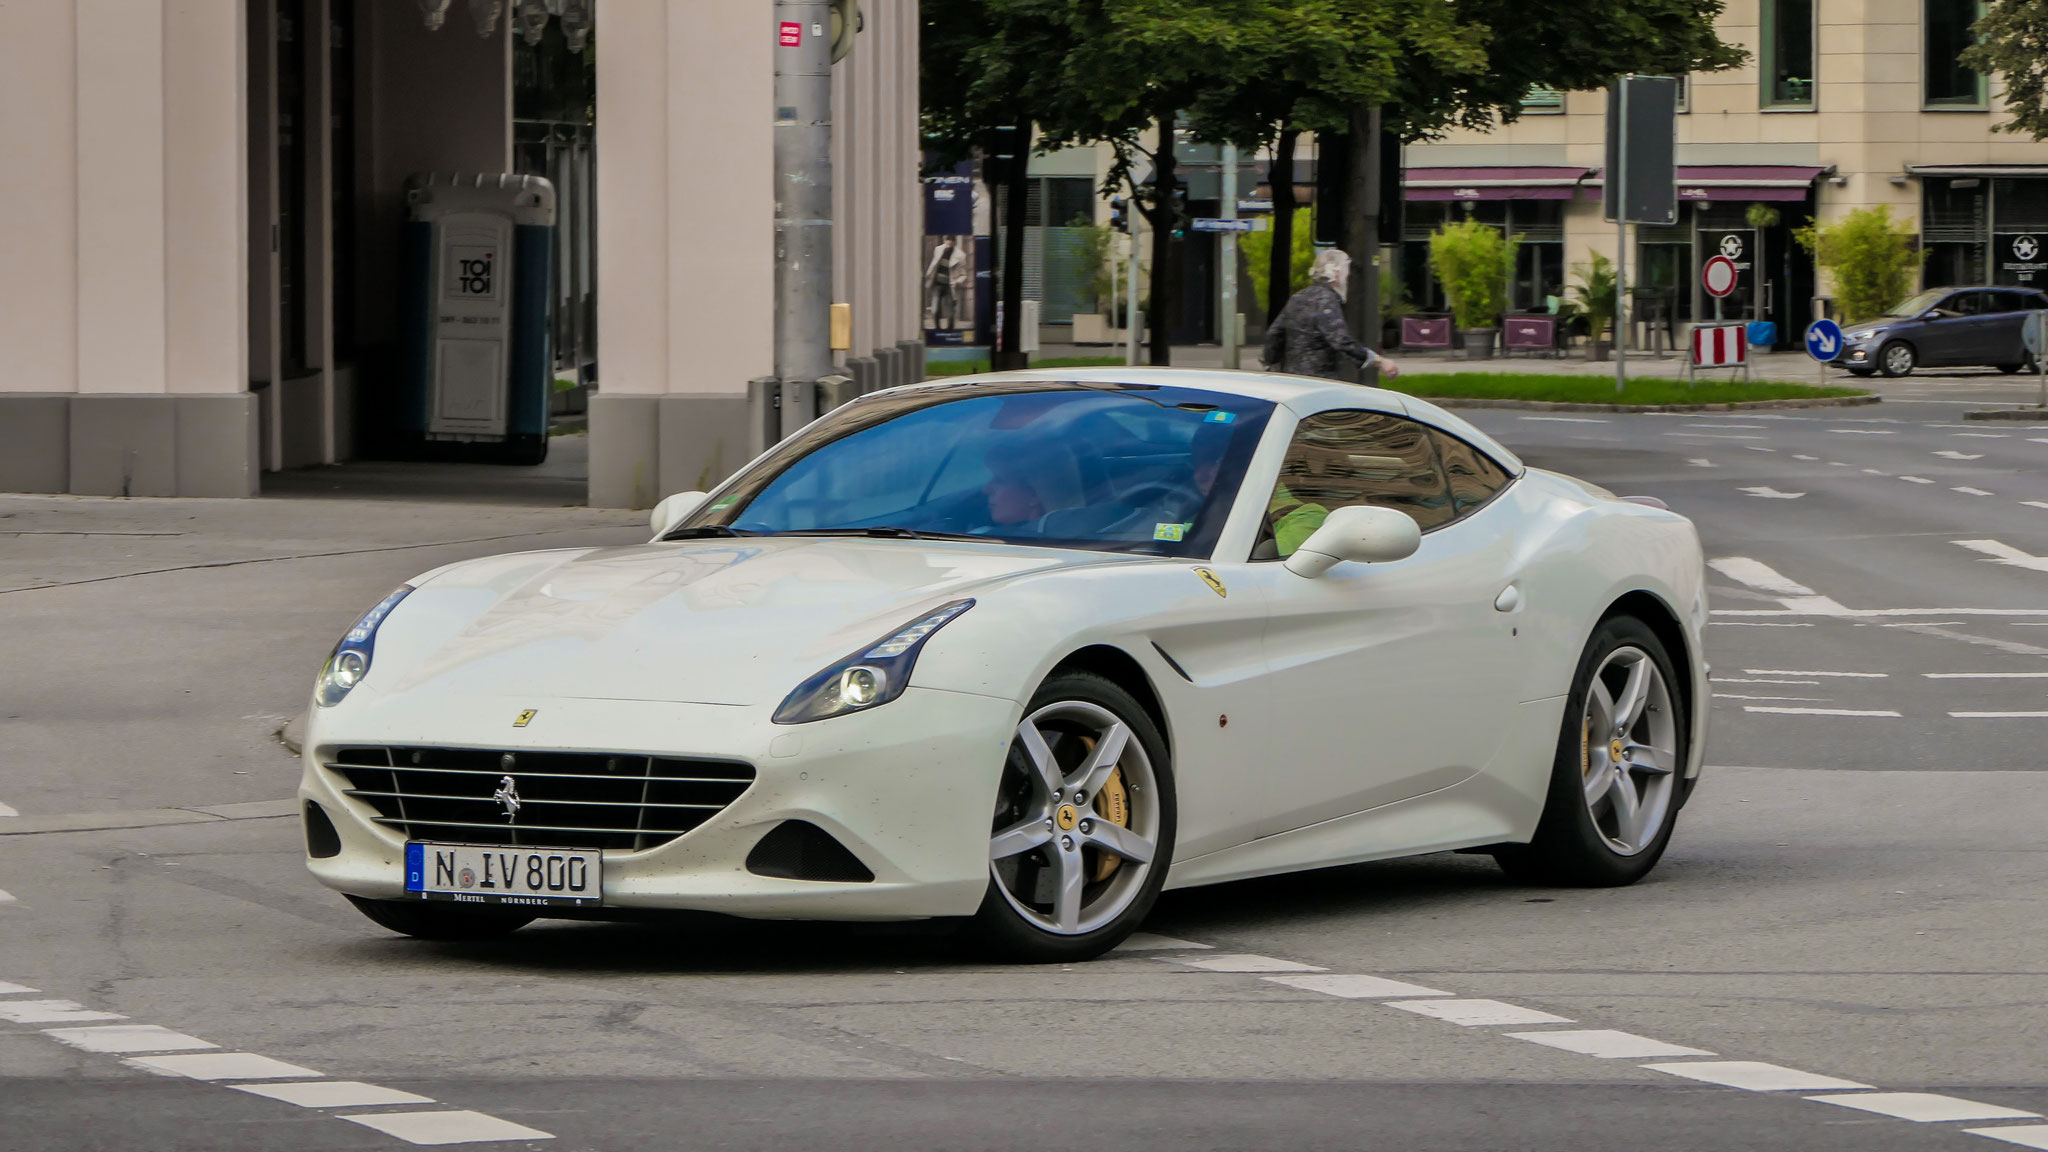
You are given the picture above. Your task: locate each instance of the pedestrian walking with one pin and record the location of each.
(1308, 336)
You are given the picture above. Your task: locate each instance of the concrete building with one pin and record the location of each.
(203, 279)
(1844, 104)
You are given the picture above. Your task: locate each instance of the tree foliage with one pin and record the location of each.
(2012, 42)
(1257, 248)
(1473, 261)
(1870, 257)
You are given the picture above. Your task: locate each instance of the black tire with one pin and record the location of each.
(1897, 358)
(426, 920)
(1862, 371)
(1569, 849)
(2009, 369)
(998, 930)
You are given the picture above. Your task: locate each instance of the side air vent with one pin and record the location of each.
(798, 850)
(322, 841)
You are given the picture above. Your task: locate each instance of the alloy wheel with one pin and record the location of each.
(1627, 737)
(1898, 360)
(1077, 819)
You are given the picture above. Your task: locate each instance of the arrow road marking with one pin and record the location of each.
(1916, 480)
(1769, 493)
(1969, 491)
(2035, 503)
(1702, 462)
(5, 811)
(1797, 456)
(1952, 454)
(2002, 553)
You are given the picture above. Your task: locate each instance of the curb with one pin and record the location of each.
(1729, 406)
(2007, 414)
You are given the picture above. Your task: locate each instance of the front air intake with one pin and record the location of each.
(799, 850)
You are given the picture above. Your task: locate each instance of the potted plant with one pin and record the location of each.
(1473, 261)
(1098, 257)
(1596, 293)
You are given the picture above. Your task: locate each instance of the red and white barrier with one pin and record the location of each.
(1725, 346)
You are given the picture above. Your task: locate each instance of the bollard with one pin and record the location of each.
(835, 390)
(764, 414)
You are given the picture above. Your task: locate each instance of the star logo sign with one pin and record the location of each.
(1731, 247)
(2026, 248)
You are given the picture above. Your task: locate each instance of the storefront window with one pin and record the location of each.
(2019, 240)
(1949, 84)
(1788, 56)
(1955, 223)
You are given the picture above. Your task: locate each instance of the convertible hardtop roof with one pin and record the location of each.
(1300, 393)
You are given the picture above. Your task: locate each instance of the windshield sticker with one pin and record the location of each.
(1219, 417)
(1169, 531)
(1214, 581)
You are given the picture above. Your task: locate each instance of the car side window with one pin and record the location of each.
(1345, 458)
(2013, 302)
(1473, 475)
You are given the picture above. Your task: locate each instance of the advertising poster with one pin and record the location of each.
(952, 271)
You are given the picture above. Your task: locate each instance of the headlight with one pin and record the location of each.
(873, 676)
(350, 661)
(1866, 334)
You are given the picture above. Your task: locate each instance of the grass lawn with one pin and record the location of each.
(1600, 389)
(971, 367)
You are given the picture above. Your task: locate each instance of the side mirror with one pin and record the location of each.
(673, 510)
(1367, 535)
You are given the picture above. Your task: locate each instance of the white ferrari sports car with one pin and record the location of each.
(1024, 650)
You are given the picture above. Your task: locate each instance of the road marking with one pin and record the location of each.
(127, 1038)
(1864, 431)
(1815, 711)
(1568, 419)
(1840, 611)
(1952, 454)
(1999, 715)
(2030, 439)
(1609, 1044)
(1838, 463)
(1769, 493)
(7, 989)
(6, 897)
(1916, 480)
(1745, 427)
(1702, 462)
(51, 1012)
(1716, 436)
(1925, 1107)
(1969, 491)
(1755, 624)
(1758, 448)
(333, 1094)
(2035, 503)
(1986, 435)
(1795, 699)
(221, 1066)
(1242, 962)
(2024, 1135)
(1152, 942)
(1355, 987)
(1841, 675)
(1476, 1013)
(2002, 553)
(1986, 675)
(5, 811)
(1754, 1076)
(1754, 680)
(1875, 472)
(447, 1127)
(1758, 575)
(1797, 456)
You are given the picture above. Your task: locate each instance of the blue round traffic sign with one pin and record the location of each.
(1824, 340)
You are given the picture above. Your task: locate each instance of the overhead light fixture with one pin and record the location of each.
(532, 17)
(1899, 181)
(485, 13)
(576, 20)
(435, 13)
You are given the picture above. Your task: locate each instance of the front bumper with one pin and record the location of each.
(908, 787)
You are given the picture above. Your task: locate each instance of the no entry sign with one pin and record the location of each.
(1718, 276)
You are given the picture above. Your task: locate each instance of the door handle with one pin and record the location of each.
(1510, 599)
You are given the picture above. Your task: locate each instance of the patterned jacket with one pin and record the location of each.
(1309, 334)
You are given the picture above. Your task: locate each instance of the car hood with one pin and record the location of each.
(711, 622)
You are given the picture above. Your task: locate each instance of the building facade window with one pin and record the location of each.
(1946, 34)
(1788, 56)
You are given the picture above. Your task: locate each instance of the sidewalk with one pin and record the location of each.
(1795, 367)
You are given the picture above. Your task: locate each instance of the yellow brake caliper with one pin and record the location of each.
(1113, 804)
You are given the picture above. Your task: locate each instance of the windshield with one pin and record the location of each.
(1915, 305)
(1114, 467)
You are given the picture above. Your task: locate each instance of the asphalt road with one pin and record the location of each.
(1854, 897)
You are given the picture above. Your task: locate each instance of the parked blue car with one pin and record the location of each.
(1945, 328)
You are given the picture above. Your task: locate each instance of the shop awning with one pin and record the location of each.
(1996, 171)
(1720, 182)
(1492, 183)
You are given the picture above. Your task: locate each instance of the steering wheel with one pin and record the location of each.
(1152, 497)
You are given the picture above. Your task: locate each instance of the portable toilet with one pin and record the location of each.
(478, 367)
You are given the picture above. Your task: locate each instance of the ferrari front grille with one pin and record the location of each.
(542, 799)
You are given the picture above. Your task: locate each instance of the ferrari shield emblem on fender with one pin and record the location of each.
(526, 718)
(1214, 581)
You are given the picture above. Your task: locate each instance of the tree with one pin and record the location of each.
(2012, 42)
(1263, 254)
(1472, 261)
(1870, 257)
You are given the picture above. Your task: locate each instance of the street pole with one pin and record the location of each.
(1133, 318)
(803, 206)
(1227, 270)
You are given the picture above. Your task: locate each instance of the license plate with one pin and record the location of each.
(476, 875)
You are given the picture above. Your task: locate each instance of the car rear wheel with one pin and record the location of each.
(1897, 358)
(438, 921)
(1616, 783)
(1083, 826)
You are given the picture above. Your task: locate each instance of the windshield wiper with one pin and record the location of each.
(703, 530)
(884, 532)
